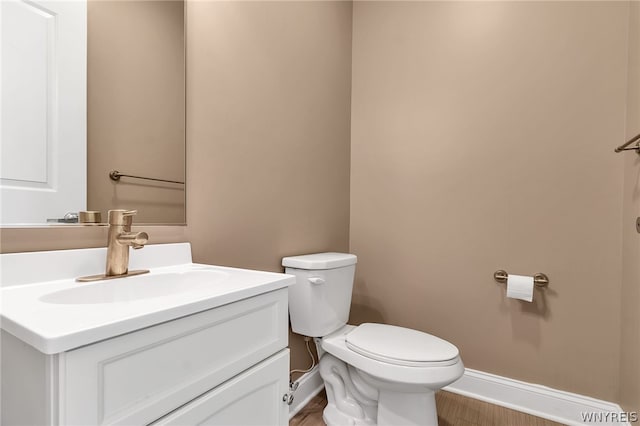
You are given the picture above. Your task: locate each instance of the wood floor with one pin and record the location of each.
(453, 410)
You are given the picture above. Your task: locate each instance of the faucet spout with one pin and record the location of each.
(137, 240)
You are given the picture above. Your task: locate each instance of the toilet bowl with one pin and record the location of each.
(374, 374)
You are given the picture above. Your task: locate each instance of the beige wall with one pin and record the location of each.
(630, 348)
(135, 107)
(482, 139)
(268, 106)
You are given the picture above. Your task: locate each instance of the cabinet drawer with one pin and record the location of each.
(252, 398)
(139, 377)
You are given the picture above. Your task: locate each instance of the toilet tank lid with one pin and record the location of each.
(320, 261)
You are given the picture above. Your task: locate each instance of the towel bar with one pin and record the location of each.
(116, 175)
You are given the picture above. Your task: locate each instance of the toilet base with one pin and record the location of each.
(398, 408)
(334, 417)
(394, 409)
(357, 399)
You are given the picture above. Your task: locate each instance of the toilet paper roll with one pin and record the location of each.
(520, 287)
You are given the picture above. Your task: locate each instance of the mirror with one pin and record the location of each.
(89, 88)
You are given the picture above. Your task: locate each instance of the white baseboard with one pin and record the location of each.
(310, 384)
(559, 406)
(537, 400)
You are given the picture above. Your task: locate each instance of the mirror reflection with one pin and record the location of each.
(107, 93)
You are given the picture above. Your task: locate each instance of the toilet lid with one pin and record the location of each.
(400, 346)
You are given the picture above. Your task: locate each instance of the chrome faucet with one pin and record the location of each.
(119, 239)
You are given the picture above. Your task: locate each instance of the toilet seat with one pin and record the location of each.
(401, 346)
(425, 373)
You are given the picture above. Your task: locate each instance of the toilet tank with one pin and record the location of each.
(320, 300)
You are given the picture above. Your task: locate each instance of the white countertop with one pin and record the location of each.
(61, 314)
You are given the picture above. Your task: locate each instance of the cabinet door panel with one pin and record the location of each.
(254, 398)
(138, 377)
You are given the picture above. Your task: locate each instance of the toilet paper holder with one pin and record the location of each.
(539, 279)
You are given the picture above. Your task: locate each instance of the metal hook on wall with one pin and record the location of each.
(624, 146)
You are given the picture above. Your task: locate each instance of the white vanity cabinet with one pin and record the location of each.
(245, 400)
(227, 365)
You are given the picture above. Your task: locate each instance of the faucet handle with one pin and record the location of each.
(121, 217)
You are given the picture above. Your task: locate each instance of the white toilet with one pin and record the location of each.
(373, 373)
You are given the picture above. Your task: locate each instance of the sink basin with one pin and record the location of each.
(135, 288)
